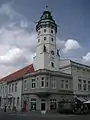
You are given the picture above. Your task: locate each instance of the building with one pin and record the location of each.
(81, 77)
(41, 85)
(11, 88)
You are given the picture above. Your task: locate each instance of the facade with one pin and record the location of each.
(81, 77)
(11, 88)
(41, 85)
(43, 89)
(3, 93)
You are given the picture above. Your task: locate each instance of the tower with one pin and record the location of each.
(47, 55)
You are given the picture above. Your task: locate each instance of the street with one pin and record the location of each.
(6, 116)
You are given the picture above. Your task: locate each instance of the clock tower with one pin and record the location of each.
(47, 55)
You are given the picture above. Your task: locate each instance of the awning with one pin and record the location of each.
(87, 101)
(80, 99)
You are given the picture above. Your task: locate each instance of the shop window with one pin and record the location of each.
(52, 104)
(33, 104)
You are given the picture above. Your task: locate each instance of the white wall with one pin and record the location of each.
(16, 94)
(78, 71)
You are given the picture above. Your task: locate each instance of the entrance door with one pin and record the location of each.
(43, 106)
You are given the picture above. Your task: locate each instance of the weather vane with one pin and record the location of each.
(47, 8)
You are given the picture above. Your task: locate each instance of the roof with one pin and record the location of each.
(18, 74)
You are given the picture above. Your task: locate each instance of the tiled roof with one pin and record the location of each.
(18, 74)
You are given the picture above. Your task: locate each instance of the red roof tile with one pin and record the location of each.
(18, 74)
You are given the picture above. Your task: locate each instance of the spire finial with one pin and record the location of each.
(46, 6)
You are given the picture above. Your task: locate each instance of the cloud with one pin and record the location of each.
(86, 58)
(17, 40)
(13, 57)
(70, 45)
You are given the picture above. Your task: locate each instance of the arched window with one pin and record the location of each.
(44, 48)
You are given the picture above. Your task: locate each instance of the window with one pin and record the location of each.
(44, 38)
(52, 104)
(89, 87)
(42, 82)
(88, 82)
(9, 88)
(51, 39)
(17, 101)
(25, 84)
(52, 64)
(39, 32)
(33, 83)
(38, 40)
(53, 83)
(12, 87)
(15, 87)
(84, 87)
(44, 30)
(47, 82)
(79, 84)
(52, 52)
(66, 84)
(37, 82)
(51, 31)
(5, 88)
(84, 81)
(33, 104)
(14, 101)
(62, 83)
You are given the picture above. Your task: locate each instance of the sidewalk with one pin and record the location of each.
(37, 114)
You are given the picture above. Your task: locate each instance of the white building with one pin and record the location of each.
(81, 77)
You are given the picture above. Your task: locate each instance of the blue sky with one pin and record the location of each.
(18, 37)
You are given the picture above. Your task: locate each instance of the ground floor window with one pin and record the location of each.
(52, 104)
(33, 104)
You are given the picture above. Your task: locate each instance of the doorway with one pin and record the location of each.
(43, 106)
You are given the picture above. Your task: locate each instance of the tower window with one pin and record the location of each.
(52, 64)
(51, 39)
(52, 52)
(51, 31)
(44, 30)
(44, 38)
(39, 32)
(38, 40)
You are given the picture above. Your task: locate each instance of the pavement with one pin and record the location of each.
(39, 116)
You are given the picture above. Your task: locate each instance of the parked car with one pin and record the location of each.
(75, 107)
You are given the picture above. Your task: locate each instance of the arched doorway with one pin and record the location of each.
(43, 106)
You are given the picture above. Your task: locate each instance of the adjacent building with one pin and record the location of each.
(81, 77)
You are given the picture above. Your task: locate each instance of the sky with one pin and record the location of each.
(18, 36)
